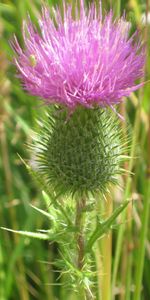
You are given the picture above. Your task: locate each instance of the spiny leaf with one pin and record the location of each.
(39, 179)
(104, 227)
(29, 234)
(41, 211)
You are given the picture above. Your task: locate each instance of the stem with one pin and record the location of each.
(129, 276)
(146, 207)
(141, 250)
(129, 246)
(99, 269)
(80, 237)
(2, 275)
(106, 252)
(118, 8)
(129, 254)
(144, 229)
(80, 242)
(116, 5)
(125, 271)
(126, 195)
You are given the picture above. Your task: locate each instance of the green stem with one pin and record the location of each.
(79, 222)
(141, 250)
(2, 276)
(129, 255)
(106, 252)
(126, 196)
(118, 9)
(129, 276)
(116, 5)
(80, 238)
(99, 270)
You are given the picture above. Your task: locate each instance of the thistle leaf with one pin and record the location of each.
(103, 227)
(46, 191)
(41, 211)
(29, 234)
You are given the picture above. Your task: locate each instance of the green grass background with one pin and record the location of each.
(26, 269)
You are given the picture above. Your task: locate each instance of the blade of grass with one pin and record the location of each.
(2, 276)
(142, 241)
(126, 196)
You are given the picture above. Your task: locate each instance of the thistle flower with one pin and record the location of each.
(83, 60)
(80, 62)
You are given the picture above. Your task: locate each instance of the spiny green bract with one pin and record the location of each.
(81, 152)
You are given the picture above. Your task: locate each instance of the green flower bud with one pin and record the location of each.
(80, 153)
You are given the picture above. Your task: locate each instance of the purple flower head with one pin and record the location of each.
(82, 60)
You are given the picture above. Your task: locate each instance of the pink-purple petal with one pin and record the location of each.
(80, 61)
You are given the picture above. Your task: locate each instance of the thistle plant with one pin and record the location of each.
(81, 65)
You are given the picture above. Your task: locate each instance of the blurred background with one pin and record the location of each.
(26, 271)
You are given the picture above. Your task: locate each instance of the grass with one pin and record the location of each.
(26, 269)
